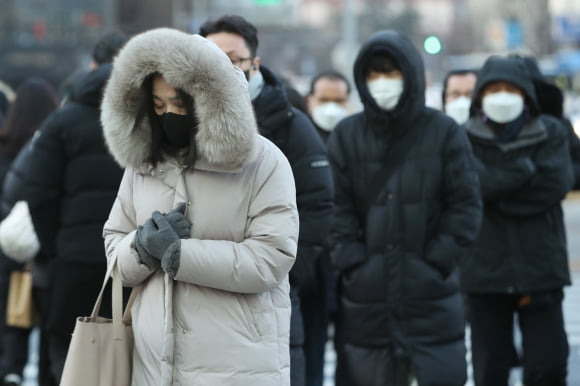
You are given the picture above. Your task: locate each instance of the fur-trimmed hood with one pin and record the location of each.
(227, 128)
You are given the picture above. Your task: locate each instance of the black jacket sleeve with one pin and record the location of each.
(498, 182)
(551, 182)
(314, 194)
(462, 206)
(347, 244)
(574, 144)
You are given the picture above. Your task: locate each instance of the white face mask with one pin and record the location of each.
(458, 109)
(386, 92)
(503, 107)
(327, 115)
(255, 85)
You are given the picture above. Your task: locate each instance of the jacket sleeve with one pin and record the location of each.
(119, 234)
(36, 176)
(263, 259)
(347, 244)
(574, 143)
(461, 214)
(314, 195)
(551, 182)
(498, 182)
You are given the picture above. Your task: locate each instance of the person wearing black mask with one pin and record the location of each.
(519, 264)
(205, 220)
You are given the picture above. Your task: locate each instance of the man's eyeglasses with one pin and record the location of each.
(238, 61)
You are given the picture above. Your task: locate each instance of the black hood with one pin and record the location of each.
(88, 88)
(408, 59)
(511, 70)
(550, 97)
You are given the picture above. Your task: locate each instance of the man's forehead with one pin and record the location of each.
(462, 80)
(501, 83)
(328, 85)
(230, 43)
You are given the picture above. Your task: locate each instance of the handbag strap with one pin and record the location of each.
(97, 307)
(120, 319)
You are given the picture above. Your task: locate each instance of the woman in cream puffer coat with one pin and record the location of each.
(220, 314)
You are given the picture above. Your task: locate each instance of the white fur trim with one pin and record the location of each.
(18, 239)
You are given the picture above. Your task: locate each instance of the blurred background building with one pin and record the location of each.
(298, 38)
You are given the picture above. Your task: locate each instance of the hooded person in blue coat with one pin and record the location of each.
(407, 208)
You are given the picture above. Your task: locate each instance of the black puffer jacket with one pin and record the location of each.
(68, 177)
(397, 255)
(295, 135)
(522, 243)
(7, 265)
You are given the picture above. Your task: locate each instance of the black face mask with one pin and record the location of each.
(177, 129)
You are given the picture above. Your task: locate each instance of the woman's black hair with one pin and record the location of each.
(146, 110)
(35, 100)
(381, 61)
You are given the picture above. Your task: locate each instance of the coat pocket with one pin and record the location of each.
(367, 282)
(251, 324)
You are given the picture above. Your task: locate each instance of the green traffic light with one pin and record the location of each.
(432, 45)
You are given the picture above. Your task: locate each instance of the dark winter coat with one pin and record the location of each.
(6, 264)
(68, 177)
(397, 253)
(551, 102)
(522, 243)
(292, 131)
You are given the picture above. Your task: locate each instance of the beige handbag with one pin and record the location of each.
(100, 351)
(20, 307)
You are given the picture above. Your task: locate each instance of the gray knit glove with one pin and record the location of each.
(181, 225)
(156, 235)
(171, 259)
(178, 221)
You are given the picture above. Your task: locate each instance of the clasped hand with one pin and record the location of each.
(159, 232)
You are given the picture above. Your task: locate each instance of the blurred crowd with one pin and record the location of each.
(252, 218)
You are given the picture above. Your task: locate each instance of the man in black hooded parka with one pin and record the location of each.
(408, 206)
(519, 263)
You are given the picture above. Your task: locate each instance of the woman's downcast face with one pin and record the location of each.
(165, 98)
(176, 124)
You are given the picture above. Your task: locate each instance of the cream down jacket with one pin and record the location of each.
(224, 318)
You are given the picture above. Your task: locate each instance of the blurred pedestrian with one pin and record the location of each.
(205, 220)
(408, 208)
(292, 131)
(458, 86)
(327, 103)
(328, 100)
(519, 263)
(35, 100)
(551, 102)
(70, 181)
(294, 97)
(6, 98)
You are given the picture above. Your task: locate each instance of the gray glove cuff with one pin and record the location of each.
(144, 257)
(171, 259)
